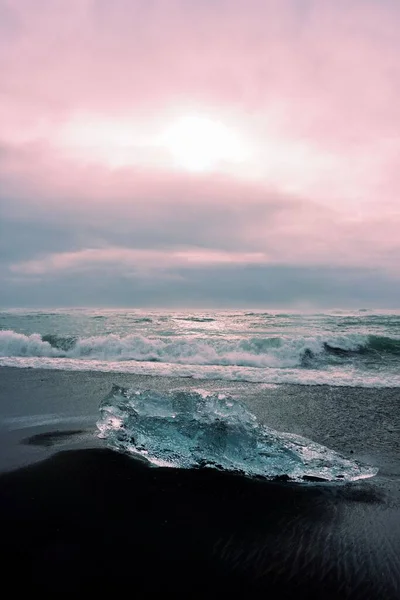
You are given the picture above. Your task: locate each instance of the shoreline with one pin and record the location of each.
(155, 374)
(207, 381)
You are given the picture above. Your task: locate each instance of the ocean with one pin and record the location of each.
(336, 348)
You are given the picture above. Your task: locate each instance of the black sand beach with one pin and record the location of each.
(79, 518)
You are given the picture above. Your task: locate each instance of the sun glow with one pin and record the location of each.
(192, 143)
(199, 143)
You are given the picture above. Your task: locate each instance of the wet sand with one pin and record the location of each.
(79, 518)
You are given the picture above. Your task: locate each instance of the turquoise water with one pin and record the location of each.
(356, 348)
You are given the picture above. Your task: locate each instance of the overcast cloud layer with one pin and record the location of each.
(94, 207)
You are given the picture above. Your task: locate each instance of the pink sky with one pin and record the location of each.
(308, 89)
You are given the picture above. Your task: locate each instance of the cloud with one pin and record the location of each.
(275, 286)
(136, 259)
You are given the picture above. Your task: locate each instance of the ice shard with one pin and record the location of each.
(191, 429)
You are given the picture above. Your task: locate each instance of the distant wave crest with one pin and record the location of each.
(196, 319)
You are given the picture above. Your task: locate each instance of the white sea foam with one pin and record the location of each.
(18, 344)
(330, 376)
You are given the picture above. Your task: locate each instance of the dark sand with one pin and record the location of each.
(79, 518)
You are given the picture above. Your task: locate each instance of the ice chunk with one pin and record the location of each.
(192, 429)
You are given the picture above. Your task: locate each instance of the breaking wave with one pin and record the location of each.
(256, 352)
(190, 429)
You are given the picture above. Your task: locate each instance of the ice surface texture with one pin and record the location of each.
(192, 429)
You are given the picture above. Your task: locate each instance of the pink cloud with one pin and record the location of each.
(304, 62)
(137, 259)
(321, 80)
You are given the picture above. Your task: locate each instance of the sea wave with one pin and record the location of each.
(256, 351)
